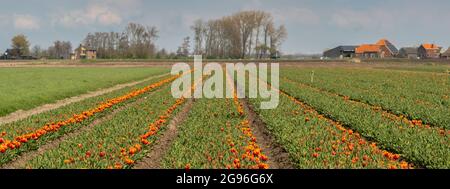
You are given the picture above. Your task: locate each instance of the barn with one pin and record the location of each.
(408, 52)
(343, 51)
(446, 54)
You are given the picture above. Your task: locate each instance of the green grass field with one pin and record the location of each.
(25, 88)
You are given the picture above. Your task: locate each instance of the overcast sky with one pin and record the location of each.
(312, 25)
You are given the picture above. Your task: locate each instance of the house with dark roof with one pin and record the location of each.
(382, 49)
(15, 54)
(343, 51)
(429, 51)
(409, 52)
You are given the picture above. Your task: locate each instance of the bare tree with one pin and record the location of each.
(276, 39)
(238, 36)
(184, 49)
(200, 30)
(36, 51)
(60, 50)
(136, 41)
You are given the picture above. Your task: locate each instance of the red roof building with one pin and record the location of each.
(382, 49)
(426, 51)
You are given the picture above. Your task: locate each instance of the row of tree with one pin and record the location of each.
(136, 41)
(245, 34)
(59, 50)
(20, 47)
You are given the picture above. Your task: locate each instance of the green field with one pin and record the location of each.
(25, 88)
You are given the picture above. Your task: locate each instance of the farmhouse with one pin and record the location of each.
(84, 53)
(346, 51)
(429, 51)
(372, 51)
(382, 49)
(446, 54)
(409, 52)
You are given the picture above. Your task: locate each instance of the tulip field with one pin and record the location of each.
(327, 118)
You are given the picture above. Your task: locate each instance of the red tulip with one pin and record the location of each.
(315, 155)
(88, 154)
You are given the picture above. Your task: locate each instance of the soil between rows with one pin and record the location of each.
(154, 158)
(278, 156)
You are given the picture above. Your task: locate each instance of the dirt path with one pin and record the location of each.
(162, 145)
(278, 157)
(18, 115)
(20, 162)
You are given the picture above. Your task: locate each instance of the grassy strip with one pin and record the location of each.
(25, 88)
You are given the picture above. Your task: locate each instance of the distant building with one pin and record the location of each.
(73, 56)
(446, 54)
(83, 53)
(392, 49)
(409, 52)
(382, 49)
(15, 54)
(372, 51)
(346, 51)
(429, 51)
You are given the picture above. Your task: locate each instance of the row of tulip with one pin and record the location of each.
(423, 147)
(415, 95)
(112, 144)
(412, 123)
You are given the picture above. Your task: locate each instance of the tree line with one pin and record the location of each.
(246, 34)
(20, 47)
(136, 41)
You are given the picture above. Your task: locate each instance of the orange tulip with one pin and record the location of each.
(132, 151)
(350, 132)
(118, 166)
(145, 141)
(3, 148)
(263, 166)
(264, 158)
(129, 161)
